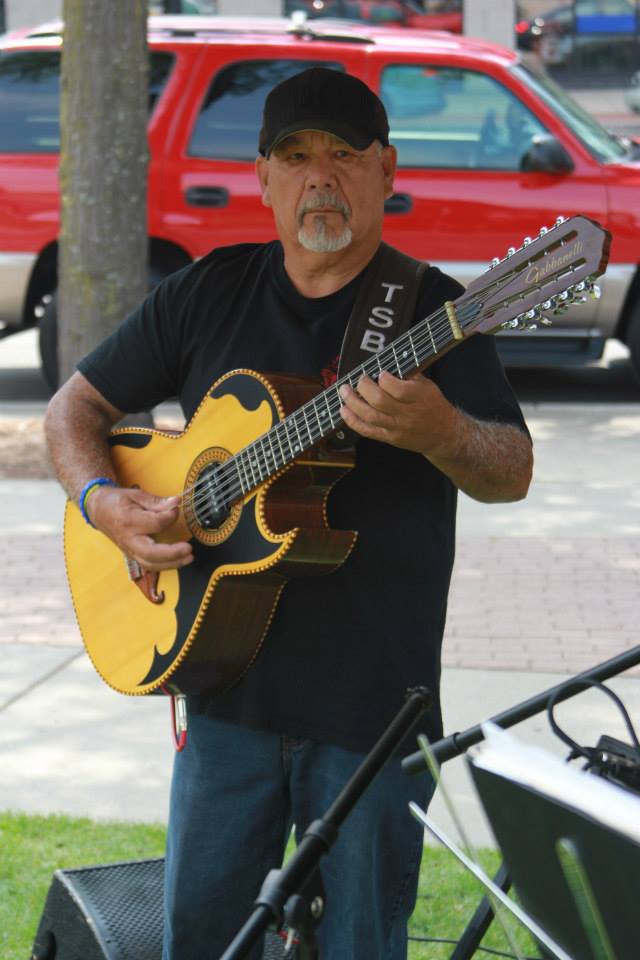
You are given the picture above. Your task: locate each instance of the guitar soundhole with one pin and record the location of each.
(210, 517)
(209, 506)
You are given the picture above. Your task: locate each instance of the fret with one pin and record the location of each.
(338, 400)
(247, 486)
(405, 357)
(237, 466)
(415, 355)
(367, 369)
(326, 400)
(263, 459)
(247, 455)
(299, 448)
(395, 357)
(258, 460)
(291, 455)
(306, 423)
(274, 459)
(283, 455)
(320, 415)
(426, 323)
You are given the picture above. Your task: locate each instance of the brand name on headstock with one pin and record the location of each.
(538, 271)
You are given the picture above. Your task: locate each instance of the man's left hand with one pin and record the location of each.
(412, 414)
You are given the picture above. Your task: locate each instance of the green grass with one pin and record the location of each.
(32, 847)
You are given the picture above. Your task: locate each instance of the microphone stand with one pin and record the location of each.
(295, 891)
(458, 743)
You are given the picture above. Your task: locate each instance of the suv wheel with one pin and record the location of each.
(48, 333)
(633, 338)
(48, 342)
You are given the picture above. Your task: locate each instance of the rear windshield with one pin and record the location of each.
(230, 117)
(30, 98)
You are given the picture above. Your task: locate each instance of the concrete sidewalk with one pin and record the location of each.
(541, 590)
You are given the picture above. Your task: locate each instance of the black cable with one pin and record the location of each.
(491, 950)
(590, 754)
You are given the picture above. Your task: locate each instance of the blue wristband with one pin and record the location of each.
(89, 488)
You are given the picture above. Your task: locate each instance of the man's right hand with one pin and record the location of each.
(133, 518)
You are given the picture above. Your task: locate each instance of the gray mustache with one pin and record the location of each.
(329, 201)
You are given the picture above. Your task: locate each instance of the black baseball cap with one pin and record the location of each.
(326, 100)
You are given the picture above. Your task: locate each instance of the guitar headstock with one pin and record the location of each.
(547, 274)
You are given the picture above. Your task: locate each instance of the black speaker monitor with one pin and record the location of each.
(107, 912)
(111, 912)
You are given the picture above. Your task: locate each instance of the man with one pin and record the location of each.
(277, 748)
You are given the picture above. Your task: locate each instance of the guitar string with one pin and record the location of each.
(407, 344)
(232, 488)
(233, 485)
(332, 403)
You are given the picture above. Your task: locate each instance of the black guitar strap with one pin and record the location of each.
(384, 309)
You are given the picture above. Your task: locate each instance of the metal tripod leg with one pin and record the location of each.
(480, 921)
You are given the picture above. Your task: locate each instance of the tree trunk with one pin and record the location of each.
(103, 168)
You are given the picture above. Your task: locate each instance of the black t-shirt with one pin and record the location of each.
(342, 649)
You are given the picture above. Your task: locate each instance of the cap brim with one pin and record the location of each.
(357, 139)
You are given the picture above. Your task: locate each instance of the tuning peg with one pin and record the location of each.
(511, 251)
(592, 287)
(547, 304)
(560, 220)
(542, 231)
(512, 324)
(495, 262)
(527, 241)
(546, 322)
(577, 292)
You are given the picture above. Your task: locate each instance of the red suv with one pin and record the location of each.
(488, 153)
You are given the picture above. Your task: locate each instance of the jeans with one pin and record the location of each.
(235, 795)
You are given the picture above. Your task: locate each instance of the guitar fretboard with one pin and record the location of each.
(320, 417)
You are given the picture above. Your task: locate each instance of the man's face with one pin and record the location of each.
(325, 194)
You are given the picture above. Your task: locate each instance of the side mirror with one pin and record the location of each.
(546, 155)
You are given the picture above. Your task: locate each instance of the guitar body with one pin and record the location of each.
(212, 616)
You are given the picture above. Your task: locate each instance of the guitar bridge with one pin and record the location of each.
(145, 580)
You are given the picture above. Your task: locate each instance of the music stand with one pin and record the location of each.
(456, 744)
(571, 842)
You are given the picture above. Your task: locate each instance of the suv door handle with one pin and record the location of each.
(398, 203)
(207, 196)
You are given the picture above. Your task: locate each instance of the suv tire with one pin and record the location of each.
(48, 333)
(633, 338)
(48, 342)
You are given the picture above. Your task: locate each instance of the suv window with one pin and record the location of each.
(30, 98)
(456, 119)
(231, 114)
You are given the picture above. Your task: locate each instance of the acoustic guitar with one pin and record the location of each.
(255, 467)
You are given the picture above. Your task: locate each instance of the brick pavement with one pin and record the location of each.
(527, 604)
(540, 604)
